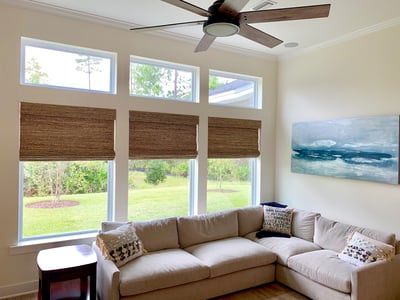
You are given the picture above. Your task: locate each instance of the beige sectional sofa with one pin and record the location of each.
(204, 256)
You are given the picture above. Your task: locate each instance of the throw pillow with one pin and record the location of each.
(120, 245)
(278, 219)
(361, 250)
(274, 204)
(264, 233)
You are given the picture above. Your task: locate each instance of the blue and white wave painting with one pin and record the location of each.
(360, 148)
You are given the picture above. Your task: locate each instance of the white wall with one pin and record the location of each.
(18, 271)
(356, 78)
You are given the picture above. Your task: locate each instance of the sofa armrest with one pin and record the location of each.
(377, 280)
(107, 277)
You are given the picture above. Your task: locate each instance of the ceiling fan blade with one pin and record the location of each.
(188, 6)
(232, 7)
(259, 36)
(204, 43)
(285, 14)
(165, 26)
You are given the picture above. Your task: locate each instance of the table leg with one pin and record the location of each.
(93, 285)
(45, 288)
(83, 287)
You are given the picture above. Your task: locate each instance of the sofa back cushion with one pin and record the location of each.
(303, 223)
(155, 234)
(158, 234)
(199, 229)
(333, 235)
(250, 219)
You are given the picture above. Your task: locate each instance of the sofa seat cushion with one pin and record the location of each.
(324, 267)
(231, 255)
(287, 247)
(160, 269)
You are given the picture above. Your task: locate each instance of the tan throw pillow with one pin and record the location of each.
(361, 250)
(278, 219)
(120, 245)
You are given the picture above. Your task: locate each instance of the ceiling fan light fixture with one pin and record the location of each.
(220, 29)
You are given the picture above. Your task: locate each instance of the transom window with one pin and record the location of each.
(162, 80)
(57, 65)
(236, 90)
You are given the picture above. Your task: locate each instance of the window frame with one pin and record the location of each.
(257, 94)
(195, 71)
(68, 49)
(109, 214)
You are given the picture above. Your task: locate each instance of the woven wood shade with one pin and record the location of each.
(59, 133)
(233, 138)
(160, 135)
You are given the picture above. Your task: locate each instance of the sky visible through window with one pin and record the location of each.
(60, 68)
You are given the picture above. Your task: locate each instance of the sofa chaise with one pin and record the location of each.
(205, 256)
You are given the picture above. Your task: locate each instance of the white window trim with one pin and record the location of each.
(69, 49)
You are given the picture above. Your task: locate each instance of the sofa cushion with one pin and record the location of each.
(231, 255)
(158, 234)
(333, 235)
(199, 229)
(155, 234)
(120, 245)
(160, 269)
(361, 250)
(287, 247)
(278, 219)
(303, 223)
(324, 267)
(250, 219)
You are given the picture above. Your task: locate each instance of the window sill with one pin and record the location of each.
(35, 246)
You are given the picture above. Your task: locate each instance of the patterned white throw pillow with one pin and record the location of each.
(361, 250)
(120, 245)
(278, 219)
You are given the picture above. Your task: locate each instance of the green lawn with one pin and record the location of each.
(145, 201)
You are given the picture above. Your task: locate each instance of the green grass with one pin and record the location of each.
(145, 202)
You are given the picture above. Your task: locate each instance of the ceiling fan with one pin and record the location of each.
(225, 19)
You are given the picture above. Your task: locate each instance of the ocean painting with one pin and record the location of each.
(361, 148)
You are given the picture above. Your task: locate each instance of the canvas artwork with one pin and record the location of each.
(361, 148)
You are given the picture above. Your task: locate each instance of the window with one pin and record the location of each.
(231, 183)
(63, 197)
(233, 148)
(50, 64)
(234, 90)
(66, 171)
(162, 80)
(159, 188)
(162, 148)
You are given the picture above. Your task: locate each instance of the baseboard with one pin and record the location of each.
(8, 291)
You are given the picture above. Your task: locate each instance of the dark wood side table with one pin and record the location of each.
(66, 263)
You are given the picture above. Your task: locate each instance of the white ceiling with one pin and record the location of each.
(347, 19)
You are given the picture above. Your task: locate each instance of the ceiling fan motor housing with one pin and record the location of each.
(220, 24)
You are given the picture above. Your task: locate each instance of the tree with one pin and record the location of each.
(156, 172)
(34, 73)
(147, 79)
(55, 171)
(88, 64)
(220, 170)
(157, 81)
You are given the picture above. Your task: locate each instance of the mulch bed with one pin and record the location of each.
(53, 204)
